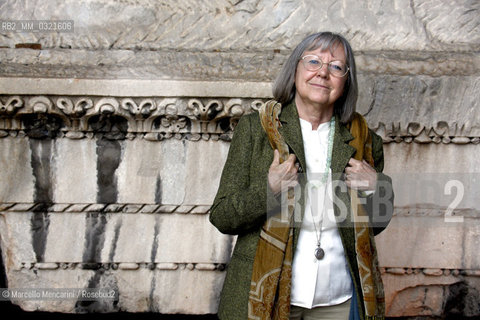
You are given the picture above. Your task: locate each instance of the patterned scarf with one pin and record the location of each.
(367, 259)
(269, 296)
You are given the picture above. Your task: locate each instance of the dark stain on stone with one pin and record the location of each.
(109, 130)
(41, 129)
(3, 274)
(39, 226)
(158, 190)
(463, 300)
(108, 160)
(151, 298)
(108, 126)
(151, 305)
(41, 126)
(104, 283)
(94, 238)
(156, 232)
(41, 155)
(116, 234)
(40, 162)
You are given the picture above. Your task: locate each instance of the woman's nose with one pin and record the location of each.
(323, 71)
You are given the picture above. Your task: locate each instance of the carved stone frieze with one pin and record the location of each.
(149, 118)
(157, 118)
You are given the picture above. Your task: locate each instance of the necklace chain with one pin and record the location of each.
(319, 252)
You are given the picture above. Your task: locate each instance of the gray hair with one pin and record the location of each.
(284, 87)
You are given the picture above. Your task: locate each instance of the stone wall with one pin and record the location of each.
(113, 137)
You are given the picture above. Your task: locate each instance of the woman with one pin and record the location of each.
(317, 89)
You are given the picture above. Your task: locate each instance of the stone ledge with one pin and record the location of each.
(134, 87)
(262, 66)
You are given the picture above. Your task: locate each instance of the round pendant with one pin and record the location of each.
(319, 253)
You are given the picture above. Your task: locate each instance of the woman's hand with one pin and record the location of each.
(281, 176)
(360, 175)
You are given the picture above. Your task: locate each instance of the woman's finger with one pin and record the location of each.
(276, 157)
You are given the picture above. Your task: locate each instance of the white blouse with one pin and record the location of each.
(327, 281)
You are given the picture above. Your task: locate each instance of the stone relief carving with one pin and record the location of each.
(406, 271)
(155, 119)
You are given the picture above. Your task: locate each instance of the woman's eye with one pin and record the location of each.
(336, 66)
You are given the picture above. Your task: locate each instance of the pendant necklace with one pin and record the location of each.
(319, 252)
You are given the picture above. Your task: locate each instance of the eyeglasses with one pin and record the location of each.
(314, 63)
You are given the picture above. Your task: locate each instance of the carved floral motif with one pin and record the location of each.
(156, 118)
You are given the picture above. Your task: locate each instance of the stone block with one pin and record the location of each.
(17, 181)
(420, 25)
(428, 242)
(74, 173)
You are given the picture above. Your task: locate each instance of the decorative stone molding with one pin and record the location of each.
(423, 134)
(405, 271)
(150, 118)
(194, 209)
(434, 272)
(105, 208)
(158, 118)
(122, 266)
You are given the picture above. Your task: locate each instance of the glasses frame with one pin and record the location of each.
(329, 64)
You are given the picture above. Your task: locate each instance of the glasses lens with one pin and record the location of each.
(312, 63)
(338, 68)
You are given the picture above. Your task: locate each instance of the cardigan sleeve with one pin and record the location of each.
(241, 202)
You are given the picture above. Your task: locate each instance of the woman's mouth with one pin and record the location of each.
(321, 86)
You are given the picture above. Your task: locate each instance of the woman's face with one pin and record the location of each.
(319, 88)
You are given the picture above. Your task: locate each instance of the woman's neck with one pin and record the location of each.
(316, 115)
